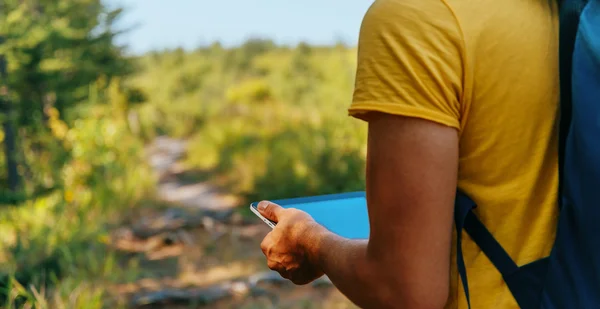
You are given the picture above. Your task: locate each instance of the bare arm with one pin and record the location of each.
(411, 182)
(410, 62)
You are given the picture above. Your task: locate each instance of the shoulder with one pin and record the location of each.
(410, 61)
(410, 16)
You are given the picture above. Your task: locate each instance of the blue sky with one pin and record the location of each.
(190, 23)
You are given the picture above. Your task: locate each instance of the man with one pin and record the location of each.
(456, 94)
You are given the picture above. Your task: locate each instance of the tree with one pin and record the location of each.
(10, 148)
(54, 49)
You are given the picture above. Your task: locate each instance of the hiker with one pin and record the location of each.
(462, 95)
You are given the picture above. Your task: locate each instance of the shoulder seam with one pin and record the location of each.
(465, 98)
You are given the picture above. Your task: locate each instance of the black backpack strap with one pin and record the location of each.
(570, 12)
(525, 283)
(462, 207)
(465, 219)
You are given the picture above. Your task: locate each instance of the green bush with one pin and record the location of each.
(272, 120)
(59, 240)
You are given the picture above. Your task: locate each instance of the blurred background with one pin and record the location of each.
(135, 133)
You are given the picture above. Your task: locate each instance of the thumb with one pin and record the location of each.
(270, 210)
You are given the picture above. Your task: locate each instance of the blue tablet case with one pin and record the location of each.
(344, 214)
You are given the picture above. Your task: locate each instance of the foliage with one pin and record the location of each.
(54, 50)
(59, 239)
(69, 111)
(271, 119)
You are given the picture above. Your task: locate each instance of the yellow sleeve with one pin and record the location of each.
(410, 61)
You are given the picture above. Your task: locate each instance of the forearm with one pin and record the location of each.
(360, 279)
(370, 280)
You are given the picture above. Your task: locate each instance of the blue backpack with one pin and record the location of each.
(570, 276)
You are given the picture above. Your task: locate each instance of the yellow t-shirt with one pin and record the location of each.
(488, 68)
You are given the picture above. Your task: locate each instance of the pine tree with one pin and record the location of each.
(54, 49)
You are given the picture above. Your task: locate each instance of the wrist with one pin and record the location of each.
(314, 237)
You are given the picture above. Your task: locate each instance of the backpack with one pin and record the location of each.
(570, 276)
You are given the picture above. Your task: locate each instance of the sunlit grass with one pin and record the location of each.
(59, 252)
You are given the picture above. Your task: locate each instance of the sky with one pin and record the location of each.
(160, 24)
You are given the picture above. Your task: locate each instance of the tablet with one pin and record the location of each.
(344, 214)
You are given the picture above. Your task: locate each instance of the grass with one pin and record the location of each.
(54, 250)
(56, 255)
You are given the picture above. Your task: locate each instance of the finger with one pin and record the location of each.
(274, 265)
(278, 267)
(270, 210)
(266, 244)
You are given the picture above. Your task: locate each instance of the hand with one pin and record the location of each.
(288, 246)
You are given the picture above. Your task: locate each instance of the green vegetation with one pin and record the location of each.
(73, 165)
(271, 120)
(264, 121)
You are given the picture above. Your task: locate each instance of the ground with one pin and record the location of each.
(199, 252)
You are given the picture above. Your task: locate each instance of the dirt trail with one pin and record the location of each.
(163, 156)
(200, 252)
